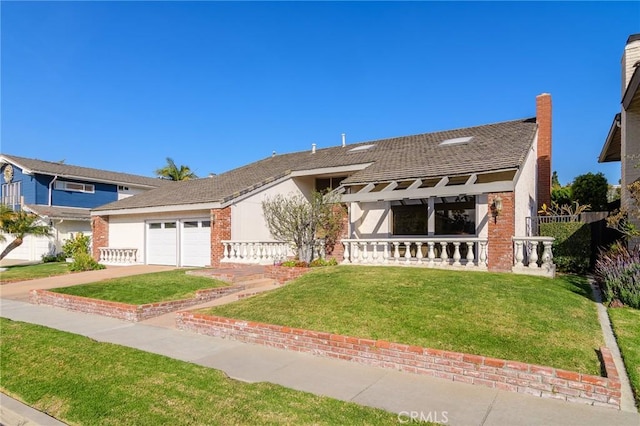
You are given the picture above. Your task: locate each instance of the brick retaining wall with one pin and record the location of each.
(125, 311)
(545, 382)
(284, 274)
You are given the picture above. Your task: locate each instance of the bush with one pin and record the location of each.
(84, 262)
(295, 264)
(323, 262)
(48, 258)
(572, 245)
(78, 244)
(618, 273)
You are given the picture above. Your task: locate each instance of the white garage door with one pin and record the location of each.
(162, 243)
(196, 242)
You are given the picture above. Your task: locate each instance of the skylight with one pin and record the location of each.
(456, 141)
(361, 148)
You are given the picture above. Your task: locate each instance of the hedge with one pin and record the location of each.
(572, 245)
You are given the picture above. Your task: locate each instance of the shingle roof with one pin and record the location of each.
(493, 147)
(78, 172)
(54, 212)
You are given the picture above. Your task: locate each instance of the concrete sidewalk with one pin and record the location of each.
(394, 391)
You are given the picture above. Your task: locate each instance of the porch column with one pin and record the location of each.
(431, 216)
(220, 230)
(501, 229)
(100, 234)
(336, 251)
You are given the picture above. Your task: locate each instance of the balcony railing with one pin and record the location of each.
(463, 253)
(118, 256)
(533, 256)
(258, 252)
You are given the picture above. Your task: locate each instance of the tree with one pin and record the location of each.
(561, 195)
(173, 172)
(623, 219)
(591, 189)
(302, 222)
(19, 224)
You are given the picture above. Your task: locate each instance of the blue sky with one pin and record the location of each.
(215, 85)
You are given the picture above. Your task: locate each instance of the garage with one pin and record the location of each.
(195, 249)
(181, 242)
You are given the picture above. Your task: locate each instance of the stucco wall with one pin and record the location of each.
(525, 192)
(370, 220)
(247, 221)
(128, 231)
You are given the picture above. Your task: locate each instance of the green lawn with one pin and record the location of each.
(84, 382)
(145, 288)
(30, 272)
(529, 319)
(626, 326)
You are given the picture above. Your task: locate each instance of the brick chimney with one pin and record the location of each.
(543, 118)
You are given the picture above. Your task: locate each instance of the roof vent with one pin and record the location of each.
(344, 140)
(313, 148)
(456, 141)
(361, 148)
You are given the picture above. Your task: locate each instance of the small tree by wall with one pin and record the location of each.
(302, 222)
(591, 189)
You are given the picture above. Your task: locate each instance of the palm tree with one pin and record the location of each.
(20, 224)
(172, 172)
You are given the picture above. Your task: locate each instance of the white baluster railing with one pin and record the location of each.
(258, 252)
(443, 252)
(118, 256)
(527, 259)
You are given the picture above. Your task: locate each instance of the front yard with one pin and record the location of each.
(31, 272)
(81, 381)
(528, 319)
(626, 326)
(145, 288)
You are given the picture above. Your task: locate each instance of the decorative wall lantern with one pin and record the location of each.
(496, 207)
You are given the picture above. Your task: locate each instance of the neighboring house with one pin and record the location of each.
(454, 198)
(62, 196)
(623, 141)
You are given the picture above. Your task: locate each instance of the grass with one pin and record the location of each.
(145, 288)
(30, 272)
(529, 319)
(81, 381)
(626, 326)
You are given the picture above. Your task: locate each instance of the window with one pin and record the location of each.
(206, 224)
(169, 225)
(155, 225)
(74, 186)
(123, 188)
(455, 215)
(410, 220)
(327, 184)
(191, 224)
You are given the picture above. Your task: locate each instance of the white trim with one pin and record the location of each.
(157, 209)
(328, 170)
(443, 191)
(63, 185)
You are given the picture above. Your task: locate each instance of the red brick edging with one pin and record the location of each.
(284, 274)
(545, 382)
(125, 311)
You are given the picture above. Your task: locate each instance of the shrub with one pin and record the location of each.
(76, 244)
(572, 245)
(48, 258)
(295, 264)
(84, 262)
(618, 273)
(323, 262)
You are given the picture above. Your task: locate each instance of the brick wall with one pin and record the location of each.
(284, 274)
(543, 118)
(545, 382)
(125, 311)
(501, 229)
(337, 251)
(220, 230)
(100, 234)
